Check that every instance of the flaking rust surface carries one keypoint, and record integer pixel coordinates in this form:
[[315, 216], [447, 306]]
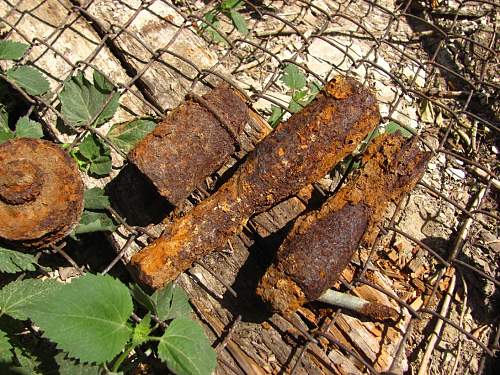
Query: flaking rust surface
[[321, 243], [41, 193], [298, 152], [191, 143]]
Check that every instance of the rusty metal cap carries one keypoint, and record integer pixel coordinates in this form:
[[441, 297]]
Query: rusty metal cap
[[41, 193]]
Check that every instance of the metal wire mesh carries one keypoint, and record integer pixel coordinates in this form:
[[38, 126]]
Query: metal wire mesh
[[434, 69]]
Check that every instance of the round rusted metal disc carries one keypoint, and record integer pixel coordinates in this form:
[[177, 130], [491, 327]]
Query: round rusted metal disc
[[41, 193]]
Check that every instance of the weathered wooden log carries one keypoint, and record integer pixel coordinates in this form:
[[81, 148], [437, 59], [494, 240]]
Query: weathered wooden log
[[298, 152], [321, 243]]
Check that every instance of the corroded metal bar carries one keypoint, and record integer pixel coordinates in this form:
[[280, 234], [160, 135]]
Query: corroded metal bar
[[300, 151], [191, 143], [321, 243]]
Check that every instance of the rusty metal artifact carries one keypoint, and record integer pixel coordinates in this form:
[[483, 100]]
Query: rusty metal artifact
[[191, 143], [298, 152], [321, 243], [41, 193]]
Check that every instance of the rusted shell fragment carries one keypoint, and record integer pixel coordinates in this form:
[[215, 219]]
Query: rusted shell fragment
[[193, 141], [321, 243], [41, 193], [298, 152]]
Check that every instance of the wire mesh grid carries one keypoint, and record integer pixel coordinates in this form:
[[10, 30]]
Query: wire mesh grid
[[433, 66]]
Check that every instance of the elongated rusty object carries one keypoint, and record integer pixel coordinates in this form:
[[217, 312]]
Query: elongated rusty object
[[191, 143], [321, 243], [298, 152]]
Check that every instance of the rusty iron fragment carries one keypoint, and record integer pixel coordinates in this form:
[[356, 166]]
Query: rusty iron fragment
[[41, 193], [321, 243], [299, 151], [191, 143]]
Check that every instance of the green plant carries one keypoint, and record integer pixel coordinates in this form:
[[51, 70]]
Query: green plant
[[301, 92], [26, 77], [229, 8], [93, 320], [90, 319]]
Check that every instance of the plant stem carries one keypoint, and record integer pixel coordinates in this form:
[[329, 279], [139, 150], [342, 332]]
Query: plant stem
[[121, 358], [372, 309]]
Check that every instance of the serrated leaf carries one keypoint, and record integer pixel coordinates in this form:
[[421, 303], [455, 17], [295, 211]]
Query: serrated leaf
[[27, 363], [14, 261], [171, 302], [17, 296], [127, 134], [28, 128], [69, 366], [186, 350], [96, 199], [86, 318], [5, 347], [276, 116], [293, 77], [393, 127], [94, 222], [142, 297], [11, 50], [30, 79], [81, 101], [239, 21], [142, 331]]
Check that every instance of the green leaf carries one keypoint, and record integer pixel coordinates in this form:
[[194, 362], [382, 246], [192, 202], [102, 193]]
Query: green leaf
[[294, 106], [68, 366], [393, 127], [5, 135], [90, 147], [186, 350], [239, 21], [101, 165], [30, 79], [28, 128], [94, 222], [97, 153], [11, 50], [142, 297], [230, 4], [14, 261], [5, 348], [276, 116], [293, 77], [142, 331], [4, 118], [171, 302], [81, 101], [102, 83], [27, 363], [127, 134], [96, 199], [87, 318], [17, 296], [211, 27]]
